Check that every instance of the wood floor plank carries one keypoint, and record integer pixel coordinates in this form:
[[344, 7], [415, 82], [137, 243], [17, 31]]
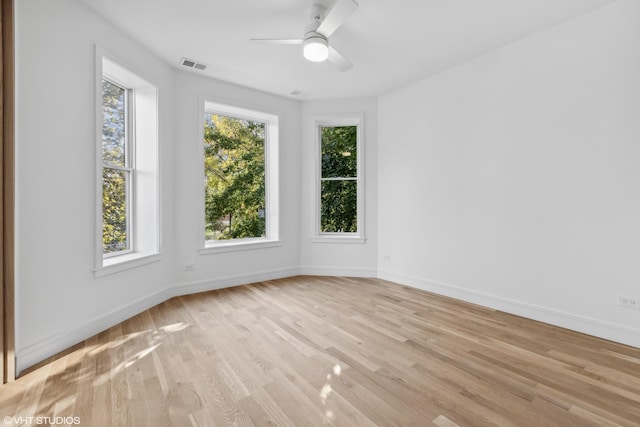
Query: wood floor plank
[[315, 351]]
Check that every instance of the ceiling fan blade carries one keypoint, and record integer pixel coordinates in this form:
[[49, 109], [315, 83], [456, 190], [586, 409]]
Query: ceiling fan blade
[[279, 41], [338, 60], [339, 13]]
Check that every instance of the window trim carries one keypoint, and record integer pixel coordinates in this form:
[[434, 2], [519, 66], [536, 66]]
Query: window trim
[[355, 119], [271, 172], [145, 236]]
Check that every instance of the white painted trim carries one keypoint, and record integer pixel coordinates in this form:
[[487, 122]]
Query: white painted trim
[[338, 239], [353, 119], [587, 325], [337, 271], [188, 288], [145, 200], [239, 245], [271, 172], [125, 262]]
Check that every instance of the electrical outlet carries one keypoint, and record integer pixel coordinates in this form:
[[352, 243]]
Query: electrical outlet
[[189, 267], [628, 302]]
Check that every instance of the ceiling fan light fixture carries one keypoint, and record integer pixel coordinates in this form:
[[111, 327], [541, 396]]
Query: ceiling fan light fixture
[[316, 49]]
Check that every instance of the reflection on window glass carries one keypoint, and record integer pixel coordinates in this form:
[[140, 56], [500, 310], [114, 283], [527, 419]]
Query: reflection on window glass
[[234, 164]]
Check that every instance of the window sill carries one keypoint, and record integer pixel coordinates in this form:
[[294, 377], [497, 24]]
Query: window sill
[[120, 263], [243, 245], [339, 239]]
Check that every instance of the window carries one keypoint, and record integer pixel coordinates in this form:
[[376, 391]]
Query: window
[[127, 207], [117, 171], [240, 165], [339, 198]]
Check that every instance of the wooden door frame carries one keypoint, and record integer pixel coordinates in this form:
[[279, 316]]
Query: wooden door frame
[[7, 190]]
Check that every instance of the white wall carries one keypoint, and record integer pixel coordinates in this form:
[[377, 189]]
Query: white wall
[[224, 269], [349, 259], [58, 300], [513, 180]]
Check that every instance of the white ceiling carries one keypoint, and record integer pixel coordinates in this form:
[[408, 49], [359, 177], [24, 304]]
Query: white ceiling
[[390, 43]]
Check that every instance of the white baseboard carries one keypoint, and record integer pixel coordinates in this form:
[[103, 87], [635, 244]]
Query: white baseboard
[[235, 280], [40, 350], [337, 271], [610, 331]]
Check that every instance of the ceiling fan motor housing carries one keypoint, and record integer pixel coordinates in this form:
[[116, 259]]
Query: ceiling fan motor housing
[[316, 47]]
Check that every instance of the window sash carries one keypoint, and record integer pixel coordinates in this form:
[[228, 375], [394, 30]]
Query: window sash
[[128, 169], [128, 174], [321, 180], [346, 178]]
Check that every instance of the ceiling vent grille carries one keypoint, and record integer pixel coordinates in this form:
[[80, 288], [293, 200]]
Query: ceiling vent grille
[[190, 63]]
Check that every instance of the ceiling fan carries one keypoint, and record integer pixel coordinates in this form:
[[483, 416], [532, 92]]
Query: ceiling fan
[[316, 35]]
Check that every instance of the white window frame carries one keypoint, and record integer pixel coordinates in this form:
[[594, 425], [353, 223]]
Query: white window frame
[[271, 171], [335, 121], [143, 219]]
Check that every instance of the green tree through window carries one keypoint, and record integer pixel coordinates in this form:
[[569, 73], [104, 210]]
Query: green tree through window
[[339, 179], [116, 173], [234, 164]]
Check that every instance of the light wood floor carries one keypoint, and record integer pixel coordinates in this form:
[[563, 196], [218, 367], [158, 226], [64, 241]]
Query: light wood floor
[[309, 351]]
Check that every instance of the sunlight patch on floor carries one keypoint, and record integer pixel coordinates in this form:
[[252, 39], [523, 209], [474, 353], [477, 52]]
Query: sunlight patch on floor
[[175, 327], [442, 421], [326, 391]]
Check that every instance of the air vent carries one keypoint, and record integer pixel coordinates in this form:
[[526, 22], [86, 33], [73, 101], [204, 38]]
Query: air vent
[[190, 63]]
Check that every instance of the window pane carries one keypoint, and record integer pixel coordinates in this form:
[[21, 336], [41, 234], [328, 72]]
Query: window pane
[[235, 178], [113, 124], [339, 152], [114, 210], [339, 206]]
